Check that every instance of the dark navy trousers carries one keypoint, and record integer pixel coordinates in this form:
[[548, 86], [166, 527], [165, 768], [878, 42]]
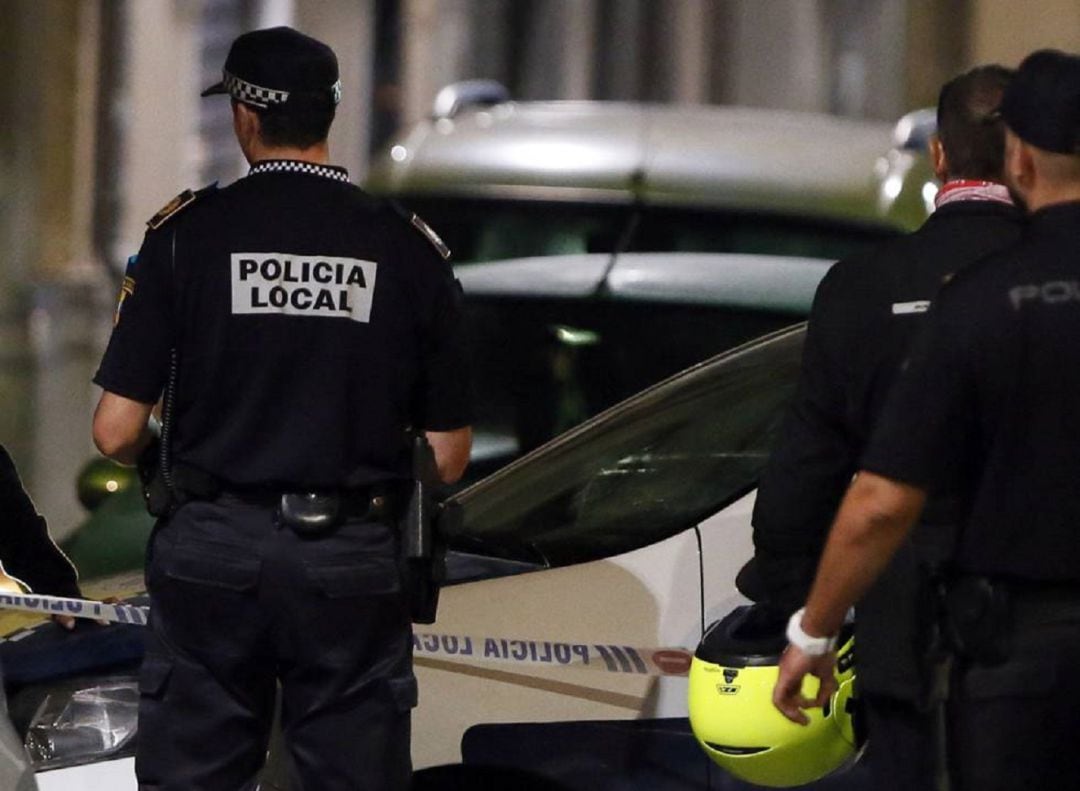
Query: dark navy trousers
[[241, 605], [1014, 725], [901, 753]]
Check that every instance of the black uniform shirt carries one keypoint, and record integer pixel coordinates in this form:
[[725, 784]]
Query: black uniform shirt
[[313, 324], [865, 313], [992, 395]]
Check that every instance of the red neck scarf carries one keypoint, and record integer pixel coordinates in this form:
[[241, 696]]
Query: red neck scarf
[[966, 190]]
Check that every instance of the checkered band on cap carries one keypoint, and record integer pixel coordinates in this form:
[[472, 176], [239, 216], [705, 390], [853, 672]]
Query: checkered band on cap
[[249, 93], [292, 166]]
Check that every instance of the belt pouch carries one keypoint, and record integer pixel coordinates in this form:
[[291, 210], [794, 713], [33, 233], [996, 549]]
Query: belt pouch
[[310, 513]]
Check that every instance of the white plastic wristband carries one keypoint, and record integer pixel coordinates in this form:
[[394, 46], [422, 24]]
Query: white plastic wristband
[[811, 646]]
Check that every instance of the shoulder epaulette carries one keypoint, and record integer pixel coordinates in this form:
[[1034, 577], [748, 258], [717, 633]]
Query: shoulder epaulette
[[425, 230], [178, 204], [431, 236]]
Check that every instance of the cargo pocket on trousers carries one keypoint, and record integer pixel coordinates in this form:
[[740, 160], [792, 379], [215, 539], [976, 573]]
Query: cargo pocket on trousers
[[155, 722], [212, 570], [365, 577], [206, 602], [154, 676], [403, 692], [353, 606]]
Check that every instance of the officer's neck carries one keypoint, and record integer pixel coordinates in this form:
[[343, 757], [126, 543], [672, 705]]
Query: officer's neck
[[1052, 194], [318, 154]]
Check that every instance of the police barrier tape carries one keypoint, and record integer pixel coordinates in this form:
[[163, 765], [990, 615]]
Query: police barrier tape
[[607, 657], [590, 656], [76, 608]]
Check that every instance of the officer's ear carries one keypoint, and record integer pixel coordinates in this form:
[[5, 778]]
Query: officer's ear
[[938, 158], [1019, 163], [246, 125]]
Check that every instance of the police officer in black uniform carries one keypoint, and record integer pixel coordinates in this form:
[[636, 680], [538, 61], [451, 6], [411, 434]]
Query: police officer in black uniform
[[294, 328], [864, 315], [989, 399]]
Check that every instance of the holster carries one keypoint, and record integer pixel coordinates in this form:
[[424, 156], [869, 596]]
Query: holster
[[427, 575], [159, 498], [425, 524], [978, 620]]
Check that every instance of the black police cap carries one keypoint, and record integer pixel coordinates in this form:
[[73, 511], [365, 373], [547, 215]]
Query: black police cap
[[265, 67], [1042, 102]]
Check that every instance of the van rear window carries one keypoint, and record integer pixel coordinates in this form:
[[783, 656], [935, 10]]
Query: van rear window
[[479, 230]]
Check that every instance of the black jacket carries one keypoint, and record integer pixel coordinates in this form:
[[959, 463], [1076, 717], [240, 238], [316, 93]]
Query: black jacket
[[865, 314]]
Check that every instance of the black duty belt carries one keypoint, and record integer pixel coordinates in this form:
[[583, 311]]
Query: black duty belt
[[350, 502], [1035, 603], [307, 511], [982, 613], [315, 512]]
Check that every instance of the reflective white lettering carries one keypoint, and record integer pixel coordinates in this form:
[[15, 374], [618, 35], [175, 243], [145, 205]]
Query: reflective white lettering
[[1021, 293], [356, 278], [270, 269], [301, 299], [1052, 292], [303, 285], [279, 297], [322, 272]]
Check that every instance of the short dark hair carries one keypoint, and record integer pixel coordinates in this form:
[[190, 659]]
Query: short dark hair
[[301, 122], [968, 125]]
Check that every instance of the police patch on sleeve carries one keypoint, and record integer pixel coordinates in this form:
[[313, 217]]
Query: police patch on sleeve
[[127, 287], [431, 236], [293, 284]]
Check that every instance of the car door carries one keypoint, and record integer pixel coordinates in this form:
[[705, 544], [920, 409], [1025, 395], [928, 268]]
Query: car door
[[597, 540]]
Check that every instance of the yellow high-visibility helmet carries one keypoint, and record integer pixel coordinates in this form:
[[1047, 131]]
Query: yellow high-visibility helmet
[[732, 676]]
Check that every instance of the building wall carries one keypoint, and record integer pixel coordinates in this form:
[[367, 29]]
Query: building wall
[[349, 28], [1006, 30], [53, 303]]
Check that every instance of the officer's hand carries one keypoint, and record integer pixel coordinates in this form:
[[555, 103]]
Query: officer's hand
[[794, 667], [68, 621]]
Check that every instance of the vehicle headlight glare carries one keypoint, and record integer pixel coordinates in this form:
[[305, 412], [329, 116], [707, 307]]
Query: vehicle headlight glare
[[82, 724]]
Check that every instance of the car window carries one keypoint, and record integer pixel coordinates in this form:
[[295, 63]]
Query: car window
[[479, 230], [686, 230], [542, 366], [490, 230], [647, 469]]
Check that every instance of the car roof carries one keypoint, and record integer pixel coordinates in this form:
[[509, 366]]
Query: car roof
[[710, 156], [761, 282]]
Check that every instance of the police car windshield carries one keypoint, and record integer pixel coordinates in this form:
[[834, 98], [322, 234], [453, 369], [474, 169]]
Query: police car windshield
[[645, 470], [543, 365], [491, 229]]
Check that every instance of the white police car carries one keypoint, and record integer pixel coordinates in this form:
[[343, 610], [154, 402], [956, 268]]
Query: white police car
[[621, 536]]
